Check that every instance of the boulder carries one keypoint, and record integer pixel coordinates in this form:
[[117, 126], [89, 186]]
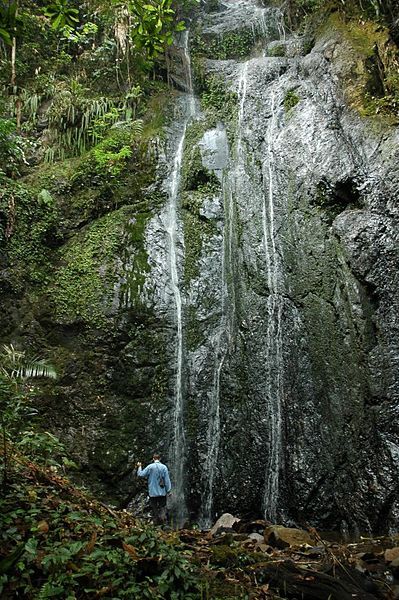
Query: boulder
[[285, 537], [224, 523], [257, 526], [391, 554], [256, 537]]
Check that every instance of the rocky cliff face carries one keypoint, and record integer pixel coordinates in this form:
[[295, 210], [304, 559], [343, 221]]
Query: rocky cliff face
[[248, 318], [288, 272]]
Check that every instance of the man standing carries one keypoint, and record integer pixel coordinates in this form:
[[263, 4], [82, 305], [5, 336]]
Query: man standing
[[158, 487]]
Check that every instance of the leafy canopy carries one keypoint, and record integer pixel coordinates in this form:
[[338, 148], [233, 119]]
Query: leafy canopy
[[61, 14], [10, 22]]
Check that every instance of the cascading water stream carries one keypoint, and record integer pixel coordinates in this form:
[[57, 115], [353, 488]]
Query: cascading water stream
[[275, 302], [225, 334], [243, 185], [274, 338], [171, 227]]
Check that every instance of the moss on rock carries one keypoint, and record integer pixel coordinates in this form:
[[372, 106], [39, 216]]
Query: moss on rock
[[233, 44], [82, 286], [368, 64]]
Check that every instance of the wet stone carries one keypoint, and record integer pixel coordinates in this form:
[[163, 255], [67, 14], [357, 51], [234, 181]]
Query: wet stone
[[284, 537], [223, 524], [391, 555]]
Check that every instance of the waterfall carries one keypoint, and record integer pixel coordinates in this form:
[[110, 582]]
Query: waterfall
[[274, 337], [224, 338], [275, 302], [171, 227], [247, 274]]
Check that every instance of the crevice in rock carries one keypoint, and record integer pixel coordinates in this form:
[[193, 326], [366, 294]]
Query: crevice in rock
[[375, 69], [336, 197]]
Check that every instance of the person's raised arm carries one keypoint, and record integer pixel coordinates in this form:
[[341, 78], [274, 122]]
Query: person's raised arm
[[142, 472]]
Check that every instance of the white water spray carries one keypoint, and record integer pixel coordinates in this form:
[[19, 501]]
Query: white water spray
[[171, 227], [225, 335], [274, 337]]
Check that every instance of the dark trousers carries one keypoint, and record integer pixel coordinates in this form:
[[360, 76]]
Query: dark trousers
[[158, 509]]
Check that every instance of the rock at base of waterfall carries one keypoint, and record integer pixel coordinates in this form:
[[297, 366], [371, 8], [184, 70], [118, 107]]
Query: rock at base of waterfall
[[391, 555], [224, 523], [257, 526], [285, 537], [256, 537]]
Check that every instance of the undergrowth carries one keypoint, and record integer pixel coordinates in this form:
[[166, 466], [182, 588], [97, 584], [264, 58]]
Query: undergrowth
[[58, 542]]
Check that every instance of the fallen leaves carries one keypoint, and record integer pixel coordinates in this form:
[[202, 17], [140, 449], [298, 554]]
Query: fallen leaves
[[131, 550]]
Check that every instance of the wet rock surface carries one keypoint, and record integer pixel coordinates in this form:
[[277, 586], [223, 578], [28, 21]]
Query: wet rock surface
[[305, 381], [286, 537]]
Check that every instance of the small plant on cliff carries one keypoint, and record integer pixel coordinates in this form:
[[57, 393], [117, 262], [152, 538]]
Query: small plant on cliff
[[218, 100], [291, 99]]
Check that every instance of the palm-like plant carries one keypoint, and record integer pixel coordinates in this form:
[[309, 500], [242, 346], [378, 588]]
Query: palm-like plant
[[16, 366], [15, 369]]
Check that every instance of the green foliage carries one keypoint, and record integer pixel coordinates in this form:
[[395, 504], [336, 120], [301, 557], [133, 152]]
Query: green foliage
[[382, 97], [61, 14], [276, 50], [110, 159], [12, 147], [386, 105], [15, 366], [83, 37], [72, 118], [58, 542], [111, 155], [10, 22], [154, 25], [16, 396], [44, 448], [291, 99], [306, 7], [218, 100], [101, 124], [76, 122], [231, 45], [144, 25], [31, 226]]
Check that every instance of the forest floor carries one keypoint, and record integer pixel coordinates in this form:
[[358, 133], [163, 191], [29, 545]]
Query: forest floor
[[57, 541]]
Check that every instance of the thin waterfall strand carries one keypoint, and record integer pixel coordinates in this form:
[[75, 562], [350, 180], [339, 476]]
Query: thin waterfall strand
[[179, 444], [274, 338], [225, 334]]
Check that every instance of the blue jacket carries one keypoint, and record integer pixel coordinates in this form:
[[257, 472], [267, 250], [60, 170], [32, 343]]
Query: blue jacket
[[154, 472]]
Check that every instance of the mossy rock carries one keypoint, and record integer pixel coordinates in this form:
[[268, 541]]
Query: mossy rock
[[367, 62], [233, 556], [231, 45], [82, 286]]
